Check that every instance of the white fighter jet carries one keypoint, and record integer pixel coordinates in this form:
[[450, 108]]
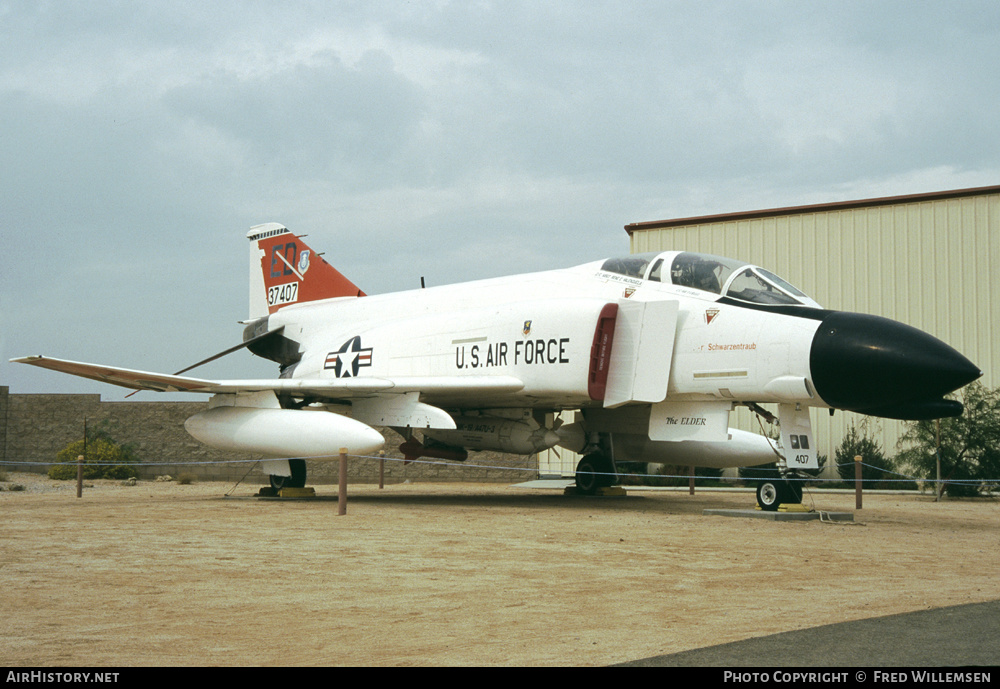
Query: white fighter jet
[[653, 351]]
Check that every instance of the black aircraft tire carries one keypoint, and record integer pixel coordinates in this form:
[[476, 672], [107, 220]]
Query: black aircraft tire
[[587, 479], [296, 480], [593, 472], [770, 494], [609, 477], [793, 492]]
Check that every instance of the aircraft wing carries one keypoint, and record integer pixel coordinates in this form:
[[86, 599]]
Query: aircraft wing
[[329, 388]]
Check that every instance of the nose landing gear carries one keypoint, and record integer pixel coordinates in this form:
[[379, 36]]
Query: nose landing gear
[[773, 493]]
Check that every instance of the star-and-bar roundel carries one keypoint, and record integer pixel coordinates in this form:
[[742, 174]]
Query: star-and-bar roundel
[[348, 360]]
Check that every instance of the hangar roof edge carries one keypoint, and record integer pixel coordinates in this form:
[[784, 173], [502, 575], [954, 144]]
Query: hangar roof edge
[[813, 208]]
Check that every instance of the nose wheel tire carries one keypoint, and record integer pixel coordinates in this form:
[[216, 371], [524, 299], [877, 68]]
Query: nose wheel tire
[[769, 495], [773, 493]]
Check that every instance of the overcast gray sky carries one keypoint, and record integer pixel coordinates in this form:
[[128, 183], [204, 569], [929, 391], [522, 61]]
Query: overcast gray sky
[[139, 141]]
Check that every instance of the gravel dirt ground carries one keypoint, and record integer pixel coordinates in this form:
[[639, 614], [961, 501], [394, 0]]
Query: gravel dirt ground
[[162, 574]]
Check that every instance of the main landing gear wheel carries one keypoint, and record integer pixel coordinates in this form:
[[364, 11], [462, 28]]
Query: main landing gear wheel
[[773, 493], [593, 472], [296, 480], [769, 495]]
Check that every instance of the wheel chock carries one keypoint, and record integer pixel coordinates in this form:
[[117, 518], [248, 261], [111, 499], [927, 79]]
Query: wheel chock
[[608, 492], [306, 492]]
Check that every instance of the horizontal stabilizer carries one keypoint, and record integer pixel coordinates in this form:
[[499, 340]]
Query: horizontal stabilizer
[[245, 344]]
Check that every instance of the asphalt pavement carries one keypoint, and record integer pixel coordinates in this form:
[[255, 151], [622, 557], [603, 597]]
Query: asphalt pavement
[[963, 635]]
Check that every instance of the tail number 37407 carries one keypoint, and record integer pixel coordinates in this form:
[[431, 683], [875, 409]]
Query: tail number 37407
[[283, 294]]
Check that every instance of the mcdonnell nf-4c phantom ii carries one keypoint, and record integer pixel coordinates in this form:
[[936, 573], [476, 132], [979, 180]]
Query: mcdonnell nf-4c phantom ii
[[652, 350]]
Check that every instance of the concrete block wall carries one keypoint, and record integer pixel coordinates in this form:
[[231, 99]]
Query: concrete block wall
[[34, 428]]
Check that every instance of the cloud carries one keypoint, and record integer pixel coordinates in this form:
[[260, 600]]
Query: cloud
[[350, 125], [450, 140]]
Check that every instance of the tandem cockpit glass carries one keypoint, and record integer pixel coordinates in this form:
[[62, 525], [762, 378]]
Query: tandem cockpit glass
[[723, 276]]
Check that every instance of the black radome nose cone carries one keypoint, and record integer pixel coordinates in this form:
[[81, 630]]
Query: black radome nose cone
[[878, 366]]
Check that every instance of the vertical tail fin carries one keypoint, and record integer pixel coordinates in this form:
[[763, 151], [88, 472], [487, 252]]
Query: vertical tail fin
[[284, 270]]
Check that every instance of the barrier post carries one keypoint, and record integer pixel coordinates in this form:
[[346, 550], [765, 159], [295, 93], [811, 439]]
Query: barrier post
[[691, 480], [381, 468], [938, 486], [857, 482], [79, 476], [342, 484]]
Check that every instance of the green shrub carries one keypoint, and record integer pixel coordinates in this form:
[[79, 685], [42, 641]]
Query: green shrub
[[877, 470], [103, 459], [970, 445]]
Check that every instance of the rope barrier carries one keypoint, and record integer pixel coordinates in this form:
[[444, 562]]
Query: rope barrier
[[745, 477]]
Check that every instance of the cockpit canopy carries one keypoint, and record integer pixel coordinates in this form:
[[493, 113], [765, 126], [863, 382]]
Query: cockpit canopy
[[723, 276]]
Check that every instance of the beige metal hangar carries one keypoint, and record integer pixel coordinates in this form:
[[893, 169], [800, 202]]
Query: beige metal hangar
[[929, 260]]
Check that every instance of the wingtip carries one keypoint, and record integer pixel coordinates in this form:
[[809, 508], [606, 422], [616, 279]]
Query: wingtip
[[26, 359]]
